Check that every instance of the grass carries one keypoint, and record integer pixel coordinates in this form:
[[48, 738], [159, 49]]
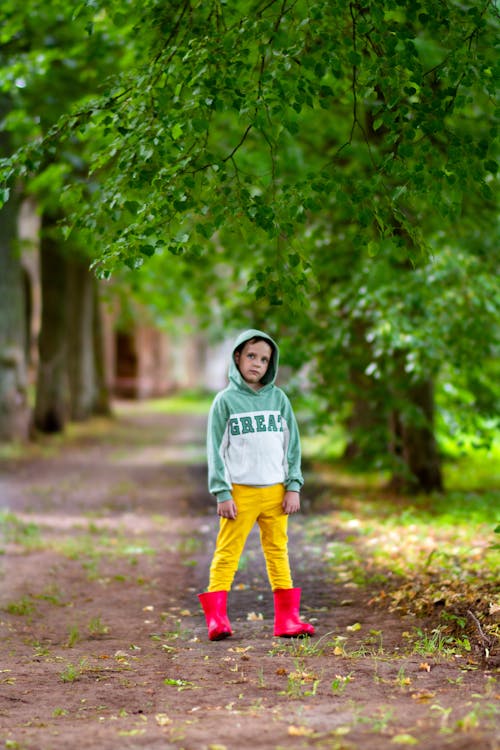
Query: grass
[[15, 530], [438, 643], [428, 556], [99, 545], [73, 636], [340, 682], [96, 628], [73, 672], [187, 402], [301, 682], [23, 607], [432, 555]]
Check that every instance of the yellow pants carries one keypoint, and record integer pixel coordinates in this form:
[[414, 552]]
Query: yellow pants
[[264, 506]]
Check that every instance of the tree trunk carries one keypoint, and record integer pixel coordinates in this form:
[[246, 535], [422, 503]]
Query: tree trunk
[[52, 400], [414, 443], [366, 425], [102, 396], [14, 409], [81, 366]]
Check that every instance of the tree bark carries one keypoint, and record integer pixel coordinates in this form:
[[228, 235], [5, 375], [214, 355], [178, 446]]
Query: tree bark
[[414, 443], [52, 396], [366, 424], [102, 396], [14, 409], [81, 365]]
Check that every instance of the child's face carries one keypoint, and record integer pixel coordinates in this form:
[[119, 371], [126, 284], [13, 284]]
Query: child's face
[[253, 362]]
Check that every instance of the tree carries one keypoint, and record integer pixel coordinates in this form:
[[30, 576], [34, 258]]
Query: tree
[[14, 411], [321, 150], [49, 63], [52, 387]]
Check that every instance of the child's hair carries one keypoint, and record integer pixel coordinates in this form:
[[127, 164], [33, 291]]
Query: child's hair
[[255, 340]]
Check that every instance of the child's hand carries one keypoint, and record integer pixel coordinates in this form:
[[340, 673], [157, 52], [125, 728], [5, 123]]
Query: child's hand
[[291, 502], [227, 509]]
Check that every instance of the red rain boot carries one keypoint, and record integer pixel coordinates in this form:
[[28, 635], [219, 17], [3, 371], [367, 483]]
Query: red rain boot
[[214, 606], [287, 622]]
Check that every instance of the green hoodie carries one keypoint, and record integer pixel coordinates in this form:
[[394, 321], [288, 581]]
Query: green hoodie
[[252, 437]]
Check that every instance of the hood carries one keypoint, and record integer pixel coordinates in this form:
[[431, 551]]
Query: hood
[[272, 370]]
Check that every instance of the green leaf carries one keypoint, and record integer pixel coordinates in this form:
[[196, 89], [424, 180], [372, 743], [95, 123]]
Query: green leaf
[[4, 196], [404, 739], [176, 131]]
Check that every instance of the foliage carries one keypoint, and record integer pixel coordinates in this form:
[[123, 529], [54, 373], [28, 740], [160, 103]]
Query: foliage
[[257, 117], [431, 558], [325, 169]]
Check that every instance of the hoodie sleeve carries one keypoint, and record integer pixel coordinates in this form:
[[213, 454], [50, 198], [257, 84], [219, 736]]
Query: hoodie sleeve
[[217, 439], [293, 473]]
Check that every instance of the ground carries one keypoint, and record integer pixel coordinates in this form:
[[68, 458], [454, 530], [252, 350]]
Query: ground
[[107, 540]]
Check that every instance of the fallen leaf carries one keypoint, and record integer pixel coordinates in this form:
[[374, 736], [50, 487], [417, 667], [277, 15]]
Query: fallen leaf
[[423, 696], [294, 731], [252, 616], [353, 628], [305, 676], [163, 720], [424, 667]]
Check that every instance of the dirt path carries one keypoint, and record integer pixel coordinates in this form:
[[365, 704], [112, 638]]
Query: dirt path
[[107, 540]]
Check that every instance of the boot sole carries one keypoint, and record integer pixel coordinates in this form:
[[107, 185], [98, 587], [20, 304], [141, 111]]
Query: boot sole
[[220, 636]]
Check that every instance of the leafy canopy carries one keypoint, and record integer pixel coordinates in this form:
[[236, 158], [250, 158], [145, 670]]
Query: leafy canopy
[[260, 117]]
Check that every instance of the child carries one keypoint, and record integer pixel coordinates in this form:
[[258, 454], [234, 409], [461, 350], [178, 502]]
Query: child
[[254, 471]]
